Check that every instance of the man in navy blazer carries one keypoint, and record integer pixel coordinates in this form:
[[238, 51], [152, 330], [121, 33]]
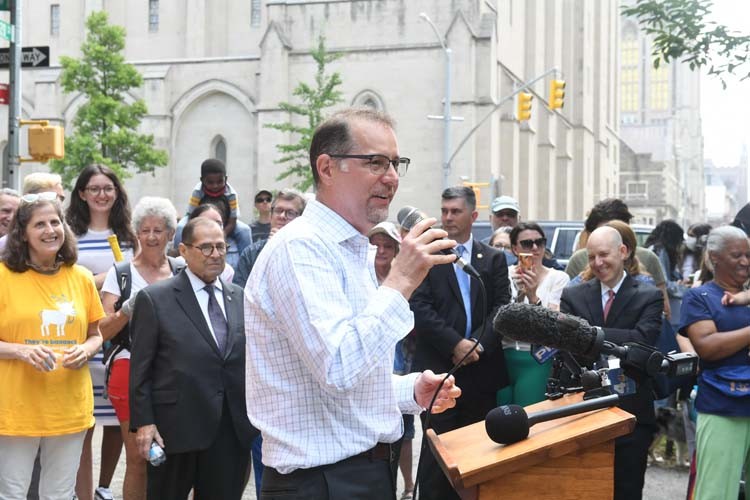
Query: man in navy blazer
[[187, 374], [448, 318], [634, 314]]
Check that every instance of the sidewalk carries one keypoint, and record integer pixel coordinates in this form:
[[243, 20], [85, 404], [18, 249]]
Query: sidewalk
[[661, 483]]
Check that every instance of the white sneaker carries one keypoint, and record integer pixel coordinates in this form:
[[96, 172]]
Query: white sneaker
[[102, 493]]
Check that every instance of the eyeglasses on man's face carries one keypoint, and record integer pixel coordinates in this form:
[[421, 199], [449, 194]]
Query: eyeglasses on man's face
[[529, 244], [379, 164], [290, 214], [263, 200], [207, 249], [34, 197], [95, 190]]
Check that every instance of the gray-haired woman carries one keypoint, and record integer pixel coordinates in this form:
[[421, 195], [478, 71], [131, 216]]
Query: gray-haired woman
[[154, 221]]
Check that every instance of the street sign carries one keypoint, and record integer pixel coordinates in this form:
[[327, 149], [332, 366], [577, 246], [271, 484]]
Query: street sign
[[6, 31], [32, 57], [4, 93], [4, 5]]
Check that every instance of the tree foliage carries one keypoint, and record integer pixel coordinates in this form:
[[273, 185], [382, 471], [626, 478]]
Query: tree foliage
[[310, 112], [105, 126], [681, 31]]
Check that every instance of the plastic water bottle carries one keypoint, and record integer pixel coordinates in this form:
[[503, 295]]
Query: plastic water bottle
[[156, 454]]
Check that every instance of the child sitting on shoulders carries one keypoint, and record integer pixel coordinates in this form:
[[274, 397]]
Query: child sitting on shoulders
[[213, 188]]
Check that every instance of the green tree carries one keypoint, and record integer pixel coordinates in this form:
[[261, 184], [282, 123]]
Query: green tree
[[682, 31], [105, 126], [314, 100]]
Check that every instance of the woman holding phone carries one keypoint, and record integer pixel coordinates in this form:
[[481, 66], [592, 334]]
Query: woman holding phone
[[531, 283]]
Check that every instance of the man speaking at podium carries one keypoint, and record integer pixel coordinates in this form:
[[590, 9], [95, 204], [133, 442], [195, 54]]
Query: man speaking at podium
[[628, 311], [320, 332]]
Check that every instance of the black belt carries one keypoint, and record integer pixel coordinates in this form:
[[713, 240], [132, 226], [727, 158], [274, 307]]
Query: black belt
[[381, 451]]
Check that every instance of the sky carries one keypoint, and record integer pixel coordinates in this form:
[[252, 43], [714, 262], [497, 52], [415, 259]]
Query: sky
[[726, 113]]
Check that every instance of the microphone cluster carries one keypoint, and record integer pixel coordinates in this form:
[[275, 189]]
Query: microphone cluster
[[544, 327]]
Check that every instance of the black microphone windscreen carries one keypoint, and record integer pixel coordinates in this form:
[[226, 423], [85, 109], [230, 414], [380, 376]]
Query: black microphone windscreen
[[409, 216], [527, 323], [542, 326], [507, 424]]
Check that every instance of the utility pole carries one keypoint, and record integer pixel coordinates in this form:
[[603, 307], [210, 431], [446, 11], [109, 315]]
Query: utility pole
[[495, 107], [446, 118], [14, 108]]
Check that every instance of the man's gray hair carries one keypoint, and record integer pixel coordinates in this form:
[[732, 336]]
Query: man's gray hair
[[464, 192], [154, 206], [290, 194], [334, 137], [719, 238]]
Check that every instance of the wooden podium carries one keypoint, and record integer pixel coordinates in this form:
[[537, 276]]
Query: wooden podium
[[568, 458]]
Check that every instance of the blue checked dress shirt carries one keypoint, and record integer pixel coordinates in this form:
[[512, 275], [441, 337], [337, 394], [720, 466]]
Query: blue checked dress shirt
[[320, 345]]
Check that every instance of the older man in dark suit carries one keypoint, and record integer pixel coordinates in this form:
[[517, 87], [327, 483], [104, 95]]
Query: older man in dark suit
[[628, 311], [448, 316], [187, 374]]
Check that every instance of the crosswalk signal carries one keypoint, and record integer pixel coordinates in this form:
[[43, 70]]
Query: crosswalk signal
[[523, 112], [556, 94], [46, 142]]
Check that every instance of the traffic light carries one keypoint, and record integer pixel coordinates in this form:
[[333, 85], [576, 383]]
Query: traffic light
[[46, 142], [556, 94], [523, 112]]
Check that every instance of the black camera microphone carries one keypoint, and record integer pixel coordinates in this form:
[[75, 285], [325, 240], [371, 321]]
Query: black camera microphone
[[509, 424], [541, 326], [408, 217]]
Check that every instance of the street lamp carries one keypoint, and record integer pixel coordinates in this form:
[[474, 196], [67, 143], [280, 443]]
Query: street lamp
[[446, 104]]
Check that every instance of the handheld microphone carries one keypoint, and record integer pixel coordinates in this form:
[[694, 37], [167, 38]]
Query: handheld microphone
[[542, 326], [408, 217], [509, 424]]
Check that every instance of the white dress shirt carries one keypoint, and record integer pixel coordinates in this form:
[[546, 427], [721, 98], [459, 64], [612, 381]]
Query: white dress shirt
[[605, 290], [320, 345], [202, 295]]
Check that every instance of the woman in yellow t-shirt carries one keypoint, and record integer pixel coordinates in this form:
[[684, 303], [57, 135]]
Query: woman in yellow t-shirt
[[49, 316]]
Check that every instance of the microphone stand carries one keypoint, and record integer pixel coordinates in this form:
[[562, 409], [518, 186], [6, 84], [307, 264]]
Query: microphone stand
[[482, 330], [556, 387]]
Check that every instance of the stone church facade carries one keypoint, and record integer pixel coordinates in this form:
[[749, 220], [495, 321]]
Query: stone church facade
[[214, 73]]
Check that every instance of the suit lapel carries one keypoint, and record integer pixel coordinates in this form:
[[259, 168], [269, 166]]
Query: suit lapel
[[233, 309], [450, 275], [477, 261], [594, 302], [622, 298], [189, 303]]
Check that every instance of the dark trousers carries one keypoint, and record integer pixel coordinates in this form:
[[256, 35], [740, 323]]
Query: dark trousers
[[433, 484], [216, 473], [357, 477], [631, 455]]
